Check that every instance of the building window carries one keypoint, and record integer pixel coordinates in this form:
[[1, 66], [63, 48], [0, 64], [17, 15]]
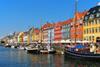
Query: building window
[[85, 24], [92, 30], [96, 30], [91, 16], [92, 38], [98, 15], [94, 11], [84, 31], [89, 38], [87, 31], [94, 22], [99, 29], [99, 9], [98, 21], [86, 18], [89, 23], [88, 13]]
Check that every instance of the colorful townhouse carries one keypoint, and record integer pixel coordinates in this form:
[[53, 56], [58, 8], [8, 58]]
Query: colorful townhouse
[[51, 34], [66, 25], [76, 31], [26, 38], [36, 35], [58, 32], [30, 31], [20, 37], [15, 38], [92, 25], [48, 33]]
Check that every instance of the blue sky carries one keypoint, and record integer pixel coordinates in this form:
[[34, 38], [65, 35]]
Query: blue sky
[[20, 15]]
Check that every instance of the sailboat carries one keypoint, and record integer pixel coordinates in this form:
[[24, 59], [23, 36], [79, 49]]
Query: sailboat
[[80, 51]]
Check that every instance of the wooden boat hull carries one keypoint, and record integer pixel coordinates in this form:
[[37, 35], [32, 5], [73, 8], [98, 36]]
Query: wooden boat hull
[[43, 51], [87, 56], [8, 46], [52, 52], [33, 51], [47, 52]]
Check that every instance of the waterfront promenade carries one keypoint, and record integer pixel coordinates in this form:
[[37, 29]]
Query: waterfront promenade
[[19, 58]]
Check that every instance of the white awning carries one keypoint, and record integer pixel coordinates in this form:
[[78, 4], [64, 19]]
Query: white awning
[[56, 42], [68, 41], [63, 41], [85, 41]]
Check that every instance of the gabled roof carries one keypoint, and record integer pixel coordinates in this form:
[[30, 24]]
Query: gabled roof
[[79, 15], [67, 21], [36, 30], [47, 25]]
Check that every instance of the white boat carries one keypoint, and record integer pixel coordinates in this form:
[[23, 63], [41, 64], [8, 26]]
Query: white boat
[[48, 50], [33, 50], [21, 47], [12, 46], [7, 45]]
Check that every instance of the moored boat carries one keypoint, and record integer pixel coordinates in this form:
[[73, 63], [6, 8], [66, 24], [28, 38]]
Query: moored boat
[[21, 47], [32, 49], [7, 45], [48, 50], [82, 53]]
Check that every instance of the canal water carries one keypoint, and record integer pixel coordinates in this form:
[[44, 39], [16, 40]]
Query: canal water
[[19, 58]]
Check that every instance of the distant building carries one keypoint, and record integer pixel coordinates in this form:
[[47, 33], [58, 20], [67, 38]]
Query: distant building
[[26, 38], [92, 25], [30, 33], [20, 37]]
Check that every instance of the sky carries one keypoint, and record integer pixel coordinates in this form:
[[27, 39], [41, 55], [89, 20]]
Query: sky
[[20, 15]]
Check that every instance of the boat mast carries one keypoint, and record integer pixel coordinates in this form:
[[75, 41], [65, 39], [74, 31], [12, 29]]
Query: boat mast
[[75, 16], [41, 33]]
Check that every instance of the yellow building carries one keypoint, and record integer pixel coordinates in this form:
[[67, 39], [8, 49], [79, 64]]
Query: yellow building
[[91, 26], [37, 35], [20, 37]]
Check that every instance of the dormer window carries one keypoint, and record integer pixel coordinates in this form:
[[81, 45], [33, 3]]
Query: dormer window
[[88, 13], [91, 16], [99, 9], [98, 15], [94, 11], [86, 18]]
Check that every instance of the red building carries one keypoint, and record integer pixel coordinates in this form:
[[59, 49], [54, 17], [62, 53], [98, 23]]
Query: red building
[[77, 32], [57, 31]]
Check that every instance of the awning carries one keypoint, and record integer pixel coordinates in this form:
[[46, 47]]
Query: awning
[[56, 42], [85, 41], [63, 41], [68, 41]]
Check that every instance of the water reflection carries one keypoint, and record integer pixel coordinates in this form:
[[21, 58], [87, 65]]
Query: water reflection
[[19, 58], [81, 63]]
